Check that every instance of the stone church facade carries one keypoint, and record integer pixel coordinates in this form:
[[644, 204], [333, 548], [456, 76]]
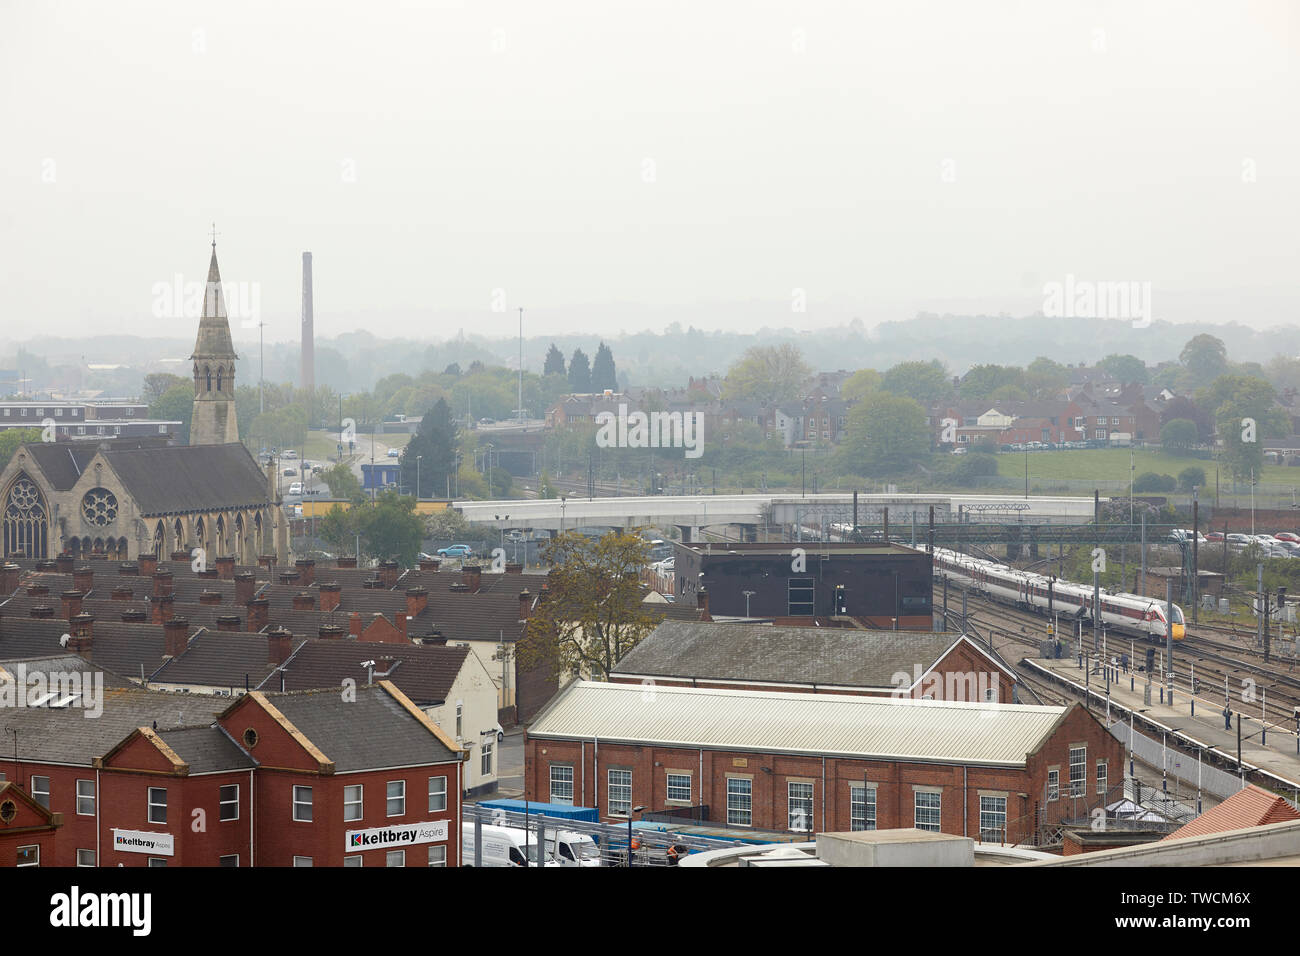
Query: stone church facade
[[124, 498]]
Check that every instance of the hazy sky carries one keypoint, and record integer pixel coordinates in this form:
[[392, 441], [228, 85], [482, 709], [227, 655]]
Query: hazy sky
[[616, 166]]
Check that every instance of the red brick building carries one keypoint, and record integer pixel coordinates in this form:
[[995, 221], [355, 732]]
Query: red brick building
[[821, 762], [317, 778]]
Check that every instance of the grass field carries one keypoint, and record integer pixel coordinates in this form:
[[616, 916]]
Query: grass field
[[1112, 464]]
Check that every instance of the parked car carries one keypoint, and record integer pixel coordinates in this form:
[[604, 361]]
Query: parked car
[[1214, 536], [1239, 539], [456, 551], [1287, 536], [290, 454]]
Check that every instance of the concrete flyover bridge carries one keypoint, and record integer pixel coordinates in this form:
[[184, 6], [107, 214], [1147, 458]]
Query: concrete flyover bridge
[[751, 512]]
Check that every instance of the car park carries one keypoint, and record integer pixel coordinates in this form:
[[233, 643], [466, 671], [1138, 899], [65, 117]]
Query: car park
[[1214, 536], [1288, 536], [1239, 539]]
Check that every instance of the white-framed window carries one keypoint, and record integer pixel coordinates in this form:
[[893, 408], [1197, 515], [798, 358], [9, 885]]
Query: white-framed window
[[40, 791], [29, 855], [928, 808], [562, 783], [799, 806], [229, 802], [679, 787], [740, 802], [85, 798], [396, 798], [862, 807], [352, 861], [460, 718], [485, 755], [231, 859], [157, 804], [1053, 785], [395, 858], [302, 861], [993, 819], [438, 855], [1102, 782], [160, 861], [58, 413], [85, 858], [620, 792], [1078, 771], [352, 798], [301, 806], [437, 794]]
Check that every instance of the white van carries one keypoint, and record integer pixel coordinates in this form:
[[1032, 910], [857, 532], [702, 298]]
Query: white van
[[295, 488], [503, 846], [574, 849]]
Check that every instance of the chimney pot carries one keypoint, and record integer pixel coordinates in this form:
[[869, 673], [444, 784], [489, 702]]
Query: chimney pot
[[41, 611], [245, 584], [175, 636], [210, 597], [279, 645], [134, 615], [71, 604], [228, 622], [304, 601], [83, 579], [226, 567], [148, 564], [258, 613]]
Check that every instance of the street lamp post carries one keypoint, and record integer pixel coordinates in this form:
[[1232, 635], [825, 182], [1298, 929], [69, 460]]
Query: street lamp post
[[748, 595], [629, 832]]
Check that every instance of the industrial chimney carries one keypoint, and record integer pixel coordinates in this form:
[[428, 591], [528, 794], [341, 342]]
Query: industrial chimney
[[308, 377]]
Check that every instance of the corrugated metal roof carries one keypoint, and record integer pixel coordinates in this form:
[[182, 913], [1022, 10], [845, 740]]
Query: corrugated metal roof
[[821, 724]]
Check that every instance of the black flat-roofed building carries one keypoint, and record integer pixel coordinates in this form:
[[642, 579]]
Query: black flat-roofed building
[[869, 585]]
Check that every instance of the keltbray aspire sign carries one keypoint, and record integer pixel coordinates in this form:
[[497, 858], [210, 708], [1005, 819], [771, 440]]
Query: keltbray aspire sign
[[143, 841], [398, 835]]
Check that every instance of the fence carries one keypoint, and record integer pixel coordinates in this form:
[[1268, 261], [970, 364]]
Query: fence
[[1189, 771]]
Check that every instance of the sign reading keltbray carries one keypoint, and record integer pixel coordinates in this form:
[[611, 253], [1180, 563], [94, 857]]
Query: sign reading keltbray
[[383, 838], [143, 841]]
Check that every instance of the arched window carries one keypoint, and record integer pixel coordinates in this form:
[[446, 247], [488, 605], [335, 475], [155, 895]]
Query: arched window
[[121, 549], [178, 542], [208, 372], [159, 538], [26, 520], [220, 374]]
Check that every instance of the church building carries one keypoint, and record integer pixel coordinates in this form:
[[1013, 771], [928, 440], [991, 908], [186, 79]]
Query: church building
[[121, 499]]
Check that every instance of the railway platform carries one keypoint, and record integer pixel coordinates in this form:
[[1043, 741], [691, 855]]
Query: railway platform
[[1268, 748]]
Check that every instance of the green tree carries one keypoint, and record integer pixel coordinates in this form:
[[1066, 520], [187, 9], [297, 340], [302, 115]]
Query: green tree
[[156, 385], [430, 455], [1191, 477], [11, 438], [338, 527], [1045, 378], [391, 528], [1205, 357], [860, 384], [983, 380], [886, 435], [343, 482], [767, 373], [924, 382], [1179, 435], [1125, 368], [447, 525], [1183, 407], [176, 404], [593, 612], [579, 372], [1149, 481], [554, 362], [603, 373]]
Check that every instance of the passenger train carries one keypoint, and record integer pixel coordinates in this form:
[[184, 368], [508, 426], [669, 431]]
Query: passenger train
[[1130, 613]]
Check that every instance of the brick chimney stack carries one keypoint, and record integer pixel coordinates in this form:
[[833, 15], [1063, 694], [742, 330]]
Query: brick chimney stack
[[306, 571], [472, 577], [259, 613], [329, 595], [71, 604], [245, 585], [417, 599], [83, 580], [64, 563], [175, 634], [210, 597], [9, 575], [228, 622], [354, 624], [163, 608], [81, 639], [279, 644], [40, 611], [304, 601], [389, 571], [122, 593], [37, 590], [525, 604], [400, 620], [148, 565], [266, 560], [162, 583], [332, 632], [226, 567], [128, 569]]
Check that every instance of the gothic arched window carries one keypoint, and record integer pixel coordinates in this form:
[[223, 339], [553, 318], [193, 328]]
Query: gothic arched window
[[26, 520], [220, 373], [208, 372]]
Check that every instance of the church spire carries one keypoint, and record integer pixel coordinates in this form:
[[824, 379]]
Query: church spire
[[213, 421]]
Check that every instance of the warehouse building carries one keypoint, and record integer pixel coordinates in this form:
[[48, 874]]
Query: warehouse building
[[740, 655], [871, 585], [801, 762]]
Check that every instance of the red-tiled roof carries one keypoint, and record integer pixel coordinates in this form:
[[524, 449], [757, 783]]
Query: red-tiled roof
[[1252, 807]]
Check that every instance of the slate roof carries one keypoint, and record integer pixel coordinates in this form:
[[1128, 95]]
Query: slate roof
[[221, 659], [834, 656], [67, 735], [66, 663], [425, 672], [62, 462], [206, 749], [392, 736], [185, 478], [119, 646]]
